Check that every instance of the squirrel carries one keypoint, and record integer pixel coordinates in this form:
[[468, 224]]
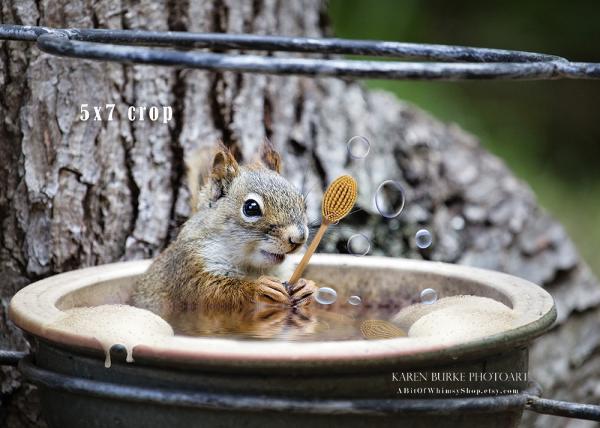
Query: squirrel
[[248, 219]]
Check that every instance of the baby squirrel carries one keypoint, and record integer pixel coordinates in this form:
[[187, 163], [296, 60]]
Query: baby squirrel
[[226, 255]]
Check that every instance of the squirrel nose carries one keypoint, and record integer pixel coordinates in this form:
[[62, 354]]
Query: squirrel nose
[[293, 242], [297, 235]]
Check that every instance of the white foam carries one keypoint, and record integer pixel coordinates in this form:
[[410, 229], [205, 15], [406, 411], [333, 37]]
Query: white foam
[[457, 318], [114, 324]]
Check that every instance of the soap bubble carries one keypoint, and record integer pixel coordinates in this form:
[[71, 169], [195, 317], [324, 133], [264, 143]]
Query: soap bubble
[[326, 295], [355, 300], [389, 199], [358, 244], [423, 238], [457, 222], [428, 296], [358, 147]]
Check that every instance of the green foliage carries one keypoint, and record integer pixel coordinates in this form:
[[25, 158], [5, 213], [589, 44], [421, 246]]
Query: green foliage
[[547, 132]]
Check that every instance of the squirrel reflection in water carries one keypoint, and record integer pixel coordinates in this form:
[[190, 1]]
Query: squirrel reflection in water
[[280, 322], [247, 322]]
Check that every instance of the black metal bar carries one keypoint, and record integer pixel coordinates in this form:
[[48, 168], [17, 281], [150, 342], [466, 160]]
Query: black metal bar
[[56, 45], [563, 408], [481, 63], [282, 43], [21, 32], [11, 358], [236, 402], [310, 45]]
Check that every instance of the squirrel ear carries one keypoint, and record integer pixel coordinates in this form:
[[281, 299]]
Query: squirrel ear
[[224, 169], [269, 156]]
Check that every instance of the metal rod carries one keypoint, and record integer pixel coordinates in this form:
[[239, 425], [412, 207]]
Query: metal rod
[[61, 46], [21, 32], [281, 43], [11, 358], [481, 63], [563, 408]]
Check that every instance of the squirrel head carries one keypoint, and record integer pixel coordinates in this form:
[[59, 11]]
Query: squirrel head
[[254, 216]]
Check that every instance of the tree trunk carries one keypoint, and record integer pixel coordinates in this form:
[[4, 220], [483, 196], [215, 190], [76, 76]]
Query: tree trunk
[[77, 193]]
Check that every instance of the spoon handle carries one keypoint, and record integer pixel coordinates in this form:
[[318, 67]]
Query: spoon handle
[[309, 252]]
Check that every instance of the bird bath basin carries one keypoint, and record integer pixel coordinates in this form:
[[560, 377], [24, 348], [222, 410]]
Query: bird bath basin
[[180, 381]]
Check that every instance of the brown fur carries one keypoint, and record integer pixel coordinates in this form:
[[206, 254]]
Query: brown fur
[[177, 280], [270, 157]]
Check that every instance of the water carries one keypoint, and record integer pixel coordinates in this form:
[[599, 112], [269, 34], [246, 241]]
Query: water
[[338, 313], [428, 296], [358, 244], [423, 238], [389, 199], [358, 147], [355, 300], [338, 321], [326, 295]]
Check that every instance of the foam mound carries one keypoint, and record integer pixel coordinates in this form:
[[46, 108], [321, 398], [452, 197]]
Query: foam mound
[[456, 318], [114, 324]]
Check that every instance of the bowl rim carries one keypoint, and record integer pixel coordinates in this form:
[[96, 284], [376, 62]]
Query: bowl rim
[[35, 304]]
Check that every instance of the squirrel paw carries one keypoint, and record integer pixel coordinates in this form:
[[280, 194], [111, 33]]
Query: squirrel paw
[[302, 291], [271, 291]]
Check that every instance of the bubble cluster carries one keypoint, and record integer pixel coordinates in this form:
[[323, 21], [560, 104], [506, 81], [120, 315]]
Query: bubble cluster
[[389, 199], [423, 238], [428, 296], [358, 147], [326, 295], [355, 300], [358, 244]]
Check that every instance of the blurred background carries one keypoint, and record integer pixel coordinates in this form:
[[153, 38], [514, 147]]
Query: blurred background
[[547, 132]]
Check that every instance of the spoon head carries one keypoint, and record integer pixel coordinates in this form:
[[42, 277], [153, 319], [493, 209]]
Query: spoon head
[[339, 198]]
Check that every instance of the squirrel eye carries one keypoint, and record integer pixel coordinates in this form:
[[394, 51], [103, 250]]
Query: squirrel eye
[[251, 208]]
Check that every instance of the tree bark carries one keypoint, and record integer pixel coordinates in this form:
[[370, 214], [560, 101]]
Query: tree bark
[[77, 193]]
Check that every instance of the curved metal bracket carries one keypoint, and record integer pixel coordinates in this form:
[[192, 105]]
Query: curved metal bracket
[[452, 62], [528, 399]]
